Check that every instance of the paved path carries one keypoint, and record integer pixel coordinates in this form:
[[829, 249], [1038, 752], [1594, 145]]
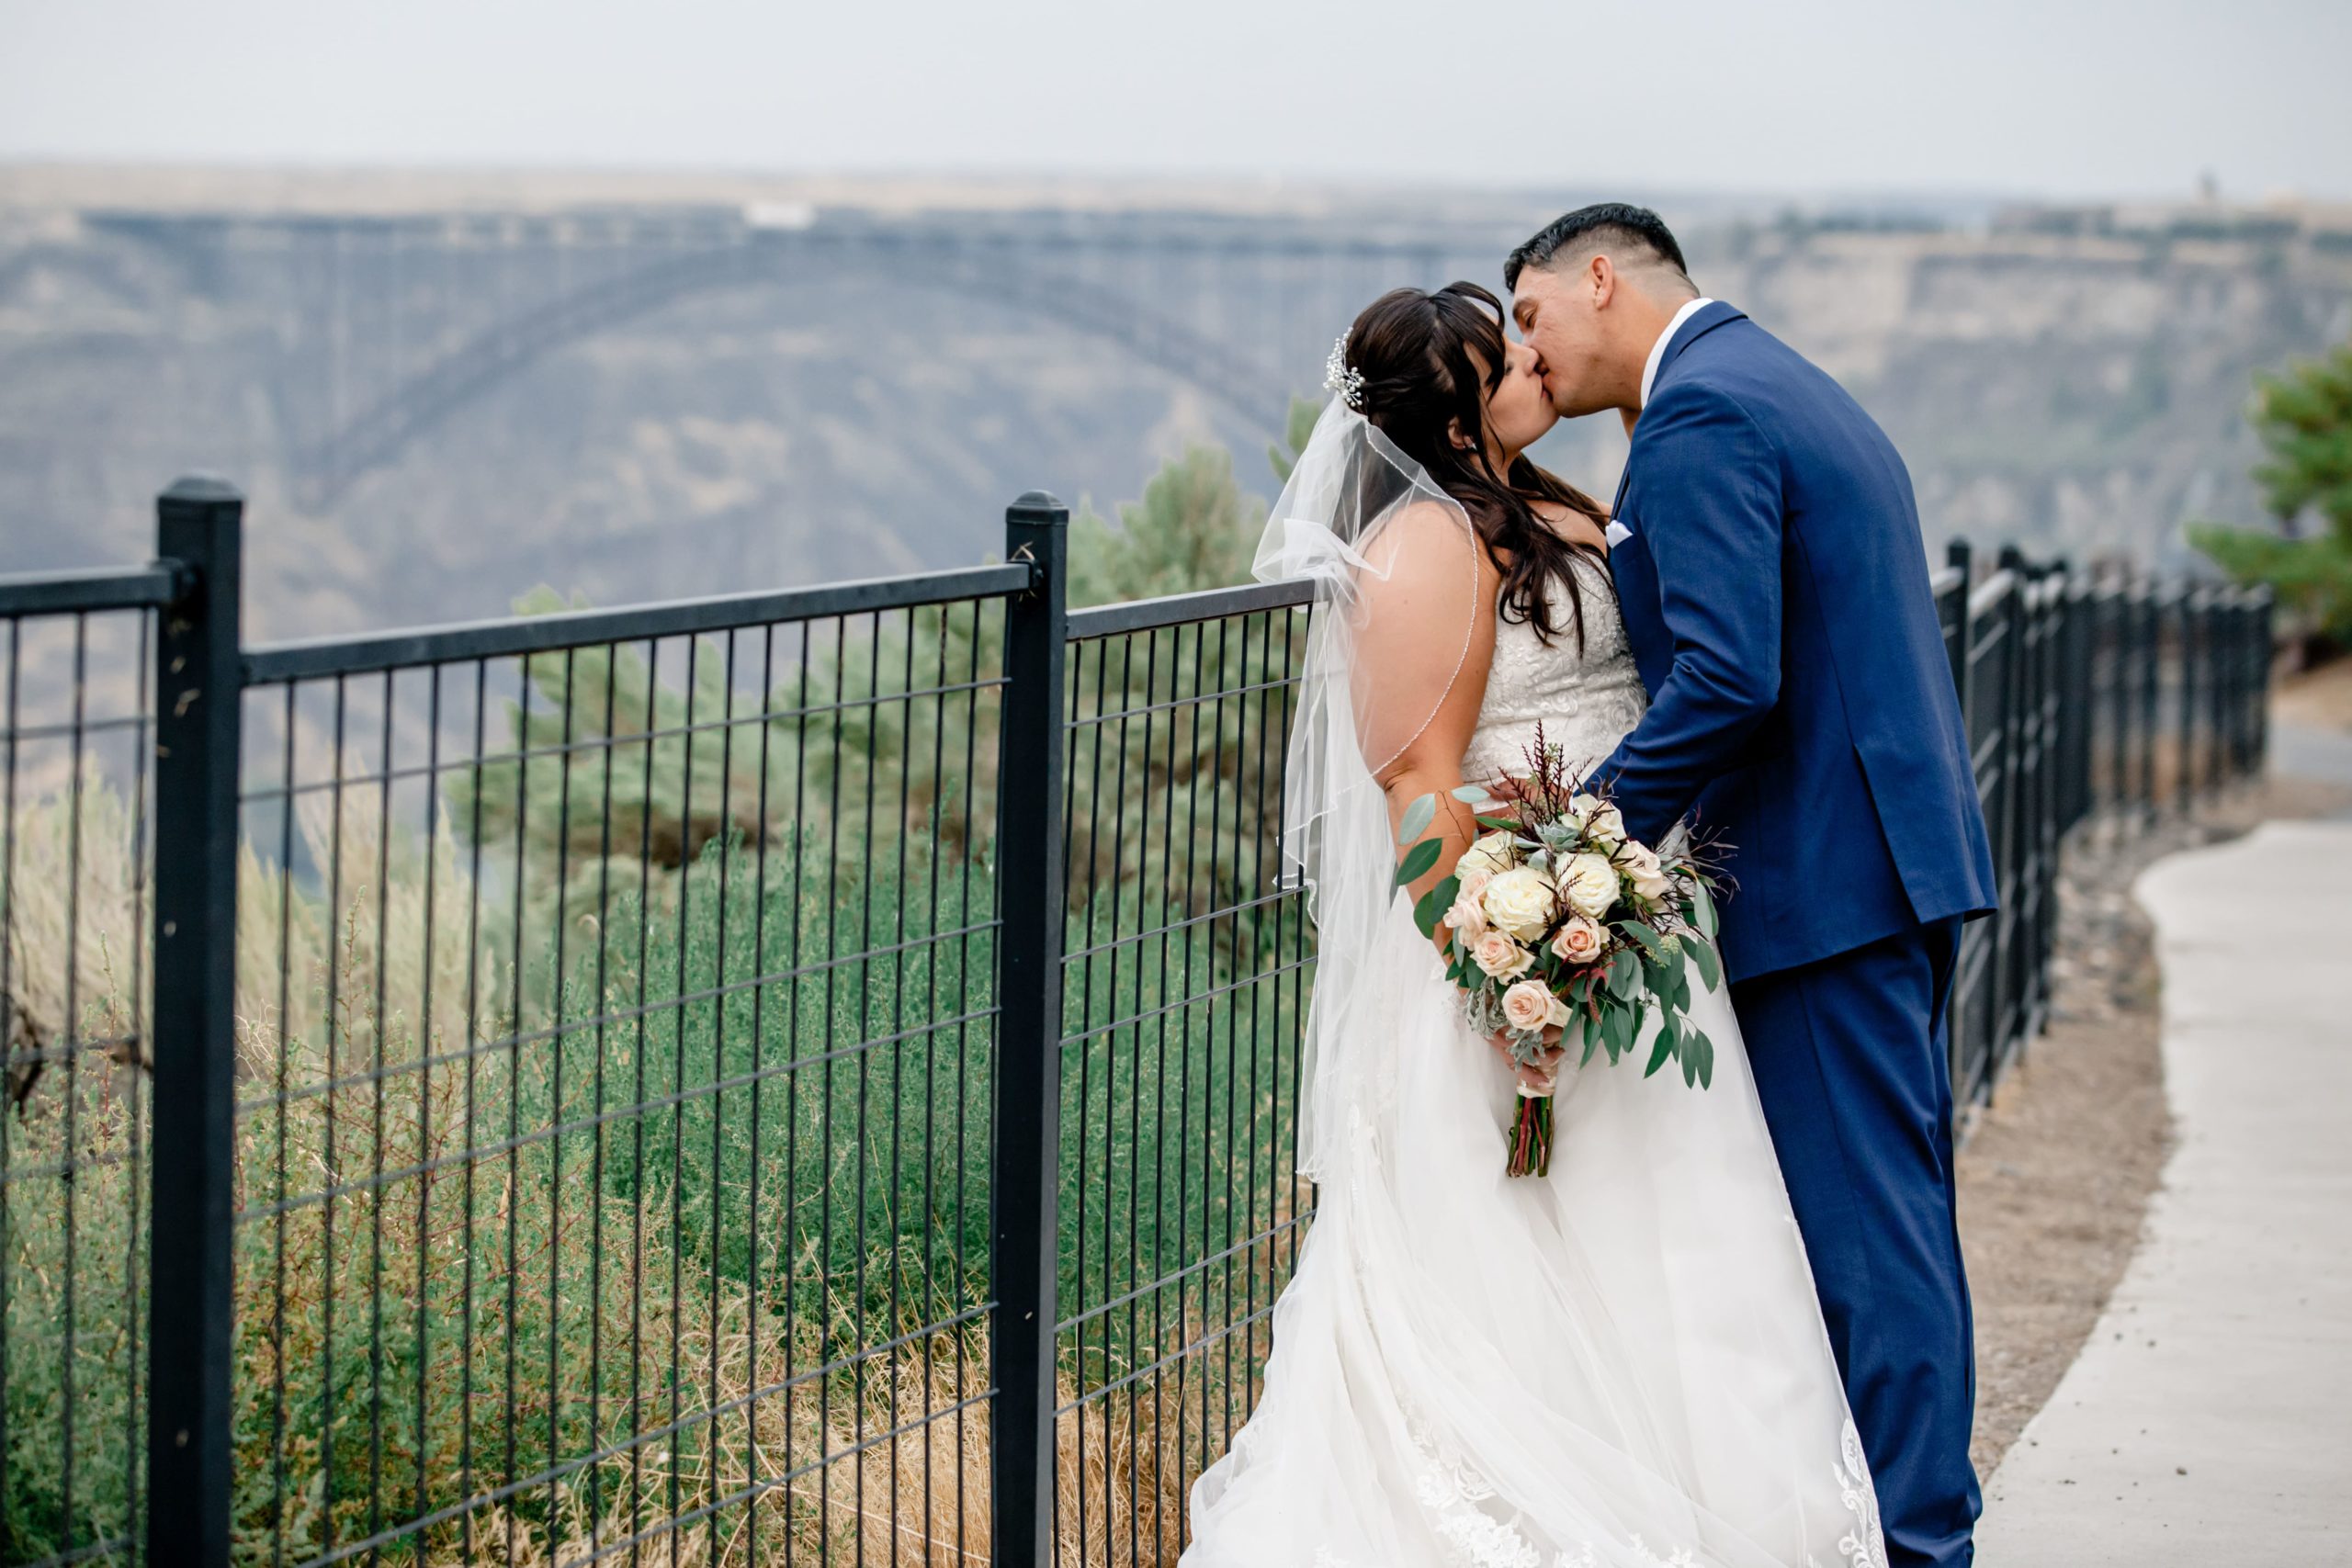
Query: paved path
[[2209, 1419], [2307, 752]]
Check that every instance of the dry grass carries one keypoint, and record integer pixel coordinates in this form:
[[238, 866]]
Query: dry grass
[[526, 1291]]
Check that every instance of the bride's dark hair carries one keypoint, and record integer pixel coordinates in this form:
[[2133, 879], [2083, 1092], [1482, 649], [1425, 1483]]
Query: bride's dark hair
[[1421, 353]]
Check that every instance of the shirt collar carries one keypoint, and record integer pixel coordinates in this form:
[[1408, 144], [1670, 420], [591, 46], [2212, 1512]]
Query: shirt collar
[[1657, 349]]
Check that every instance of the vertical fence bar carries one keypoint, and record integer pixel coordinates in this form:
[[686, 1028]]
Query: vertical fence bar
[[197, 702], [2184, 766], [1029, 991]]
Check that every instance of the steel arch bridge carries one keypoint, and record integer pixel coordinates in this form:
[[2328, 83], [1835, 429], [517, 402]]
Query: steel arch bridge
[[415, 319]]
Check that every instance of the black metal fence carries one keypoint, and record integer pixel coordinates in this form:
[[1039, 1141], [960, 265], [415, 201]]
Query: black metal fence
[[804, 1077]]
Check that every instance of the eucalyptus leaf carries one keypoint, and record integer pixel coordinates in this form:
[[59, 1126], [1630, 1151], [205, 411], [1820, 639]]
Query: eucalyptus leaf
[[1639, 932], [1625, 976], [1418, 817], [1704, 1050], [1704, 906], [1425, 910], [1621, 1027], [1710, 966], [1661, 1053], [1659, 979], [1472, 795], [1417, 861]]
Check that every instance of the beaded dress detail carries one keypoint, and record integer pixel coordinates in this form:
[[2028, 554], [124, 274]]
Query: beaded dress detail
[[1588, 700]]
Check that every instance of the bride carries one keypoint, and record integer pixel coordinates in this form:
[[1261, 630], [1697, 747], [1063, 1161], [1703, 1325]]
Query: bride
[[1622, 1363]]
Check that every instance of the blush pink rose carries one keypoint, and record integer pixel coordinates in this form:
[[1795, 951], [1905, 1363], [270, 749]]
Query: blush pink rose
[[1579, 940]]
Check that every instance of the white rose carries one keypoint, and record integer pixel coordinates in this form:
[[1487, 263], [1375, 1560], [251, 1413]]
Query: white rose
[[1579, 941], [1605, 827], [1529, 1005], [1493, 853], [1520, 901], [1640, 864], [1589, 884], [1501, 957]]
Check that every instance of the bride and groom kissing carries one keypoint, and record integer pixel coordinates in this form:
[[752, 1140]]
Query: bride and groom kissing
[[1730, 1326]]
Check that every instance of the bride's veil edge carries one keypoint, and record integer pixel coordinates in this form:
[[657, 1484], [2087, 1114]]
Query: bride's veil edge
[[1380, 541]]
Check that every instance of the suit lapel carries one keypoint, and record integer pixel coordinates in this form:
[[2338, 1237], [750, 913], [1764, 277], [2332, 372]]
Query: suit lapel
[[1630, 563], [1699, 324]]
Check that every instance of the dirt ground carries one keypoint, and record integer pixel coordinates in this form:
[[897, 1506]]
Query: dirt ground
[[2321, 697], [2054, 1176]]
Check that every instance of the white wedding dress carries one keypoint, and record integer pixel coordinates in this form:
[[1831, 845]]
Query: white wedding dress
[[1620, 1365]]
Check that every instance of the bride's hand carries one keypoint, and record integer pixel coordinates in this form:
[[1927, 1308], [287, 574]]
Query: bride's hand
[[1541, 1074]]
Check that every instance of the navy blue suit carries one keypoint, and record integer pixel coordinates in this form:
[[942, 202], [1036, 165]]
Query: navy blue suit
[[1801, 711]]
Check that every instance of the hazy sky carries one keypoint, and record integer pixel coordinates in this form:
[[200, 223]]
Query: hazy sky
[[2054, 96]]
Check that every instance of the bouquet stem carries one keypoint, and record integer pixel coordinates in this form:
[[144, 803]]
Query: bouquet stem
[[1530, 1137]]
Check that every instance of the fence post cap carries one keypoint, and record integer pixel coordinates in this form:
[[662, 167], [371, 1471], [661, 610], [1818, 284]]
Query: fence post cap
[[1037, 506], [202, 489]]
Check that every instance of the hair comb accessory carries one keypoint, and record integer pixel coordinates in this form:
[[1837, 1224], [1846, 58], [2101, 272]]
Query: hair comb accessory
[[1337, 378]]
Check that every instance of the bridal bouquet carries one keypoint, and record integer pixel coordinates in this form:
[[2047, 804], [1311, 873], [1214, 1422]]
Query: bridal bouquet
[[1561, 930]]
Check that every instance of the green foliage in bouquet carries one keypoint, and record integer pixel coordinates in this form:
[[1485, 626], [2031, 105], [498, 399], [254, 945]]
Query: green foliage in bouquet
[[1564, 932]]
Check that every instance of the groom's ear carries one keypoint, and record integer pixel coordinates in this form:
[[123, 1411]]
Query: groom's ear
[[1600, 276]]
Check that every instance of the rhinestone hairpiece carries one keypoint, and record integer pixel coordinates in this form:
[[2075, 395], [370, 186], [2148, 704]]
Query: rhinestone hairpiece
[[1337, 378]]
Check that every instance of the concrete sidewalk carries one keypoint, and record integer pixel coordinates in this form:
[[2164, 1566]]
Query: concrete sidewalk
[[2209, 1419]]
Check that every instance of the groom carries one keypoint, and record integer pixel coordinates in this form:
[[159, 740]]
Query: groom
[[1774, 583]]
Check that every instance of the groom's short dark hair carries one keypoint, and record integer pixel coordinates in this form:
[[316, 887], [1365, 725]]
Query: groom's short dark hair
[[1605, 225]]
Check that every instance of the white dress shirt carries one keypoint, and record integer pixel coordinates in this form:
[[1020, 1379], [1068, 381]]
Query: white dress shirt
[[1657, 349]]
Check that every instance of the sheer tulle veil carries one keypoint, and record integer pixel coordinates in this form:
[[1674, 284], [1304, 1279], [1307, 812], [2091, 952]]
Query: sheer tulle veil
[[1393, 558]]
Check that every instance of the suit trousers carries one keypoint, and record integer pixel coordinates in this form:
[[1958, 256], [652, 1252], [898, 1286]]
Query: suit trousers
[[1851, 1065]]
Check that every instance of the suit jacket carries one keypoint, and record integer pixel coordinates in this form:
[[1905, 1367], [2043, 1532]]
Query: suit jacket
[[1775, 593]]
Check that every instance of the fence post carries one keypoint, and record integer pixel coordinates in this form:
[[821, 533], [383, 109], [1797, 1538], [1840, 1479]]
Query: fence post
[[2186, 782], [1957, 1027], [2249, 693], [1024, 1252], [2266, 654], [198, 697], [2079, 701], [2221, 652], [2127, 702], [2151, 682], [2019, 772], [1959, 556]]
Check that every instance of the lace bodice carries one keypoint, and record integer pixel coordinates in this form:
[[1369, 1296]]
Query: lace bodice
[[1587, 702]]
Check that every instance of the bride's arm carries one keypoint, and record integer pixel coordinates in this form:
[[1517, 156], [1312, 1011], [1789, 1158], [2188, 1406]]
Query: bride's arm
[[1425, 641]]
